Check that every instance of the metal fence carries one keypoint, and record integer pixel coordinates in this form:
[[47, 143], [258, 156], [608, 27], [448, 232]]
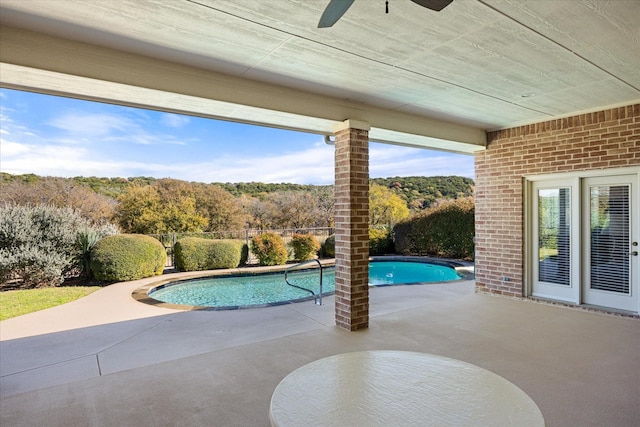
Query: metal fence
[[169, 240]]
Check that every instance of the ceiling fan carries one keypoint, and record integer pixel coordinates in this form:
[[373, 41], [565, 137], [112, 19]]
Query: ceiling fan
[[336, 8]]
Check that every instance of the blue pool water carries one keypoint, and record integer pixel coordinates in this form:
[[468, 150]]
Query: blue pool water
[[264, 289]]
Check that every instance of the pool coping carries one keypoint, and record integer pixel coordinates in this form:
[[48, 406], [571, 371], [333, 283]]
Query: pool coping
[[141, 294]]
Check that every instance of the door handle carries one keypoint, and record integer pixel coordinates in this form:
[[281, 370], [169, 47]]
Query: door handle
[[634, 253]]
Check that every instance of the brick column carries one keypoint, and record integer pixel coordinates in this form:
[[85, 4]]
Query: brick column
[[352, 225]]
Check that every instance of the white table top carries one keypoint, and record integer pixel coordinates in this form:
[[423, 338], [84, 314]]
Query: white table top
[[398, 388]]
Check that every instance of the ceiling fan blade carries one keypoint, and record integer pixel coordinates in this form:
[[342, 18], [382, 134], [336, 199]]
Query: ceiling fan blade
[[436, 5], [334, 11]]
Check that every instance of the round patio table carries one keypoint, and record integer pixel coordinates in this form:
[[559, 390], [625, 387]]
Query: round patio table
[[386, 388]]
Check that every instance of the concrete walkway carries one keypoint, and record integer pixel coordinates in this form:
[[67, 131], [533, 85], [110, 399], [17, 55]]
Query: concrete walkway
[[107, 360]]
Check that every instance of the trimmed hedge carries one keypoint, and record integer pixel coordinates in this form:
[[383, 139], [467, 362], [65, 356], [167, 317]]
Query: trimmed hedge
[[380, 242], [127, 257], [270, 249], [329, 247], [305, 246], [196, 254], [446, 230]]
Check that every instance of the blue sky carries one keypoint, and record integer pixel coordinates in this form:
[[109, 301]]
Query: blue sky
[[54, 136]]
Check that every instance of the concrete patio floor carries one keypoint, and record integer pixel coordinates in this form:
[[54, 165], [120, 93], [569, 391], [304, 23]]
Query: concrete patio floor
[[107, 360]]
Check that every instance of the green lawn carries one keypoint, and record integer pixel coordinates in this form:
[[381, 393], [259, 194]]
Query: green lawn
[[17, 303]]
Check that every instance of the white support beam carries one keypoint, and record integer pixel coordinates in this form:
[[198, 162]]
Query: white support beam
[[42, 63]]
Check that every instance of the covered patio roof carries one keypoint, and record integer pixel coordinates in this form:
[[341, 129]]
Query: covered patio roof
[[418, 77]]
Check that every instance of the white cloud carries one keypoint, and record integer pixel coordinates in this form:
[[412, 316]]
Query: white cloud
[[9, 127], [5, 120], [312, 165], [146, 138], [174, 120], [92, 125], [315, 165], [82, 128], [19, 158], [390, 160], [9, 149], [63, 161], [74, 144]]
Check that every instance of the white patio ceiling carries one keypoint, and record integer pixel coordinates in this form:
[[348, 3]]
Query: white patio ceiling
[[420, 78]]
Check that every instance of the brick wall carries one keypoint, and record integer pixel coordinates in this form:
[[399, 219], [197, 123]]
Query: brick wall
[[352, 229], [600, 140]]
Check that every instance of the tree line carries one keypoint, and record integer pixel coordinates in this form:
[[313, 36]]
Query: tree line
[[154, 206]]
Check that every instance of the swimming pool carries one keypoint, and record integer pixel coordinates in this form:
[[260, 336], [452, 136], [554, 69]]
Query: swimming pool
[[258, 290]]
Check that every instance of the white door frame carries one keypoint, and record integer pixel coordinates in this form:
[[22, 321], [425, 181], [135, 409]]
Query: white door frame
[[540, 288], [604, 298], [575, 181]]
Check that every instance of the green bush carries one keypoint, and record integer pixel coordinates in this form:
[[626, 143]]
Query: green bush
[[195, 254], [127, 257], [244, 253], [270, 249], [446, 230], [86, 239], [380, 242], [305, 246], [39, 245], [329, 247]]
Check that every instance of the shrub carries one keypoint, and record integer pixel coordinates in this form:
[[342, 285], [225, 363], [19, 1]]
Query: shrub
[[380, 242], [329, 247], [305, 246], [270, 249], [244, 253], [37, 245], [86, 239], [127, 257], [194, 254], [445, 230]]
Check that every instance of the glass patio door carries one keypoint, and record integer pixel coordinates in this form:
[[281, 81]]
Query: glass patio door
[[555, 240], [610, 254]]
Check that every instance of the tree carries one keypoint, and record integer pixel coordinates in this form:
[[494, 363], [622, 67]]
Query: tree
[[422, 192], [385, 207], [163, 207], [179, 207], [170, 205], [292, 209], [324, 201], [222, 210], [139, 210], [284, 209], [259, 212], [61, 193]]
